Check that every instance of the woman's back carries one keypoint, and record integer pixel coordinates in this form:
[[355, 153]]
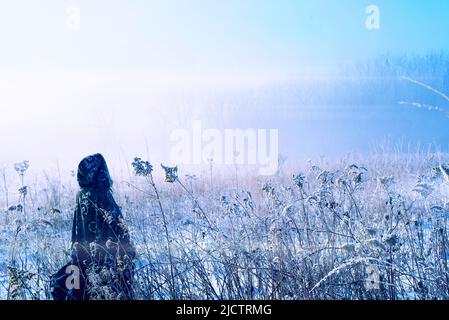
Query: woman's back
[[100, 240]]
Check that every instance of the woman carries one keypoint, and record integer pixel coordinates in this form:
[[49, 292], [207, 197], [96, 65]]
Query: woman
[[101, 246]]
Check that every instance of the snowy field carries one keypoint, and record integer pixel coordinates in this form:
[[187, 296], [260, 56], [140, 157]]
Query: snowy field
[[223, 89], [375, 229]]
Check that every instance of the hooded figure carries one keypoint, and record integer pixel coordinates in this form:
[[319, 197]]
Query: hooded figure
[[101, 246]]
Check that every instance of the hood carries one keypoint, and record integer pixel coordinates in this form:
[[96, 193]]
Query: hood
[[93, 173]]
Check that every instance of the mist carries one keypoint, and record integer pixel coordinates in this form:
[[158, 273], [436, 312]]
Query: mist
[[122, 79]]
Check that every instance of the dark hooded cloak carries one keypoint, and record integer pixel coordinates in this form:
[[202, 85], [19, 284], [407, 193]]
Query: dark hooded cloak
[[100, 238]]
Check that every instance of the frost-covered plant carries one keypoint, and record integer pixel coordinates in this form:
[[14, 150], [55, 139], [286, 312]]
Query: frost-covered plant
[[339, 231]]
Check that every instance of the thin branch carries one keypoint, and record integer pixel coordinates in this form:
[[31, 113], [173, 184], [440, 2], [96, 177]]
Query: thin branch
[[441, 94], [425, 106]]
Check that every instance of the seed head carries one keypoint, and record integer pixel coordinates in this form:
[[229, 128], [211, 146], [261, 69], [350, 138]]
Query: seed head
[[142, 168], [21, 167], [171, 173]]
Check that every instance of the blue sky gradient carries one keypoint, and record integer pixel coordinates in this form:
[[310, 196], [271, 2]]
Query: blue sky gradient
[[214, 35], [118, 82]]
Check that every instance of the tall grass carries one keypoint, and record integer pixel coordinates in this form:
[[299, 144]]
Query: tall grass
[[375, 229]]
